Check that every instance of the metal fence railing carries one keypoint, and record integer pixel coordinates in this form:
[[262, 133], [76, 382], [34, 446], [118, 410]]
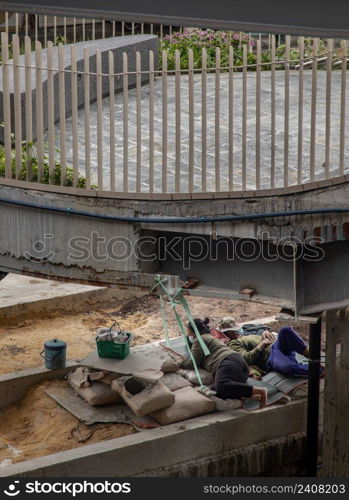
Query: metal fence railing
[[59, 29], [173, 127]]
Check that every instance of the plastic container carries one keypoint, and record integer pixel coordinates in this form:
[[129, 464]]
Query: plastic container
[[114, 350], [54, 354]]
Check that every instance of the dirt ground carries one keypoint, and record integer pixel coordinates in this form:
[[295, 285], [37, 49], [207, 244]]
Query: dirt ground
[[21, 344], [37, 426]]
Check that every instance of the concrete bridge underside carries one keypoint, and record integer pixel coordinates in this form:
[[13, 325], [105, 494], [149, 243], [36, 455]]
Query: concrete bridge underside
[[225, 256]]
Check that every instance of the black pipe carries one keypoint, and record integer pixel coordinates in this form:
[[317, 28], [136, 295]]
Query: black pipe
[[176, 220], [313, 399]]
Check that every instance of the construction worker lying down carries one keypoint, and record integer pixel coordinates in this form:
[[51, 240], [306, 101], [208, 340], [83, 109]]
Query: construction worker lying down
[[266, 352], [229, 369]]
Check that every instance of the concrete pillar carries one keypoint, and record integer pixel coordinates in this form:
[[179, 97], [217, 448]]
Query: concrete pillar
[[336, 397]]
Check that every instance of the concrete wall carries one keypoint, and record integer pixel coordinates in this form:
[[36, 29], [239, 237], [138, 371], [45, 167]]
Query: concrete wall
[[122, 264], [128, 44], [208, 445], [14, 385]]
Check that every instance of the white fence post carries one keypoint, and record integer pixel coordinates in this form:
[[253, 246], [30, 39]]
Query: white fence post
[[151, 121], [28, 105], [300, 111], [6, 104], [99, 119], [112, 119], [87, 117], [178, 121], [39, 111], [231, 119], [258, 116], [62, 128], [164, 122], [204, 120], [343, 106], [287, 110], [125, 121], [138, 121], [191, 120], [50, 111], [329, 61], [272, 113], [74, 91], [217, 120], [313, 109], [244, 117], [17, 105]]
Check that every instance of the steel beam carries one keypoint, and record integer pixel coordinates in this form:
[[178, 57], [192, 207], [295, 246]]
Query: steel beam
[[315, 18]]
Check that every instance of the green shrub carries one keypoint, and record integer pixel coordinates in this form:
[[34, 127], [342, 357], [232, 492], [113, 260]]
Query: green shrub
[[197, 39], [29, 159]]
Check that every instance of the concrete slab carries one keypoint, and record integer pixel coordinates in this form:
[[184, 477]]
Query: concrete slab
[[134, 362], [19, 290], [23, 296], [14, 385], [89, 415]]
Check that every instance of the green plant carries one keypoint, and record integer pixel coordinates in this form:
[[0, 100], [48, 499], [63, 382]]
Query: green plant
[[30, 167], [197, 39]]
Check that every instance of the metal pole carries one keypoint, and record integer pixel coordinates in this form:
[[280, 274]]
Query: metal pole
[[313, 399]]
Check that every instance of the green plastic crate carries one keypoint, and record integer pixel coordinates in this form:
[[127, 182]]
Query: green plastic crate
[[109, 349]]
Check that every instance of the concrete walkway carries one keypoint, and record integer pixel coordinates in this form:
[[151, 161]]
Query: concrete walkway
[[265, 139], [22, 296]]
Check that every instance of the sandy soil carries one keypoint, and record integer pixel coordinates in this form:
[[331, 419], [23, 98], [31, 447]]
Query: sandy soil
[[37, 426], [21, 344]]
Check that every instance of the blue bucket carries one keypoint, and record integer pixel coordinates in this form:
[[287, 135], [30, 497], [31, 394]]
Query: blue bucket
[[54, 354]]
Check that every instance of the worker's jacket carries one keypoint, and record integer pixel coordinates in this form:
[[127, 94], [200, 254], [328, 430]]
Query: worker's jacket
[[246, 346], [218, 352]]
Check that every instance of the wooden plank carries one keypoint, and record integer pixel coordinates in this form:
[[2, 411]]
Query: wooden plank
[[330, 394], [341, 468]]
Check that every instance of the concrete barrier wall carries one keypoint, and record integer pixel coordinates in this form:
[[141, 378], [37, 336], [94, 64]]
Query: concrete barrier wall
[[208, 445]]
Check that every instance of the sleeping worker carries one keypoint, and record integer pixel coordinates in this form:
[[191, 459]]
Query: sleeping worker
[[266, 352], [229, 369]]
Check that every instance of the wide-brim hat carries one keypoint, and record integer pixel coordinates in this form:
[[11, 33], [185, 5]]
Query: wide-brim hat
[[229, 324]]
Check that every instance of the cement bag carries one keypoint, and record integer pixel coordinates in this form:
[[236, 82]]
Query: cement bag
[[190, 375], [188, 404], [173, 381], [169, 366], [98, 394], [141, 396], [109, 377]]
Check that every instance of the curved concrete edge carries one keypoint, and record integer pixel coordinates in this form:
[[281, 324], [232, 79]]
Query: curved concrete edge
[[223, 195], [117, 45], [208, 439]]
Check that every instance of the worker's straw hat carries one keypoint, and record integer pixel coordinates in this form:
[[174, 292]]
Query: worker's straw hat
[[229, 324]]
